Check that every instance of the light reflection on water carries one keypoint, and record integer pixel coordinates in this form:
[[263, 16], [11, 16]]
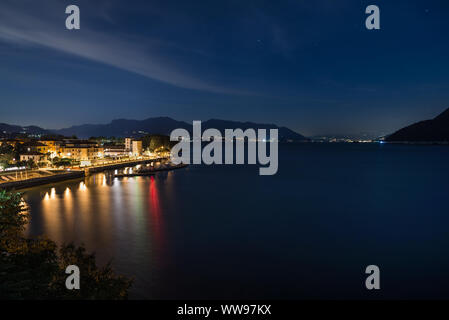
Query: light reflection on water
[[119, 218]]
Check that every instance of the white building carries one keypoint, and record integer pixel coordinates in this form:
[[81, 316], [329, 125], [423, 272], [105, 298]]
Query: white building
[[137, 148], [128, 144], [115, 151], [34, 156]]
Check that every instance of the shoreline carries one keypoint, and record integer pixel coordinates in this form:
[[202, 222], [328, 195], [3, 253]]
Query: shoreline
[[69, 175], [421, 143]]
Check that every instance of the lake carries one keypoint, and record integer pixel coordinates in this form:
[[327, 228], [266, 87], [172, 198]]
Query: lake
[[307, 232]]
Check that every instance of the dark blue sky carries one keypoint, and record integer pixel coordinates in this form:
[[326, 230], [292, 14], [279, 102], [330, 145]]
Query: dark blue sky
[[309, 65]]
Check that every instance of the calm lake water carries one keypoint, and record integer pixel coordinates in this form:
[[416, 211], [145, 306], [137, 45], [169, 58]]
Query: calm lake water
[[307, 232]]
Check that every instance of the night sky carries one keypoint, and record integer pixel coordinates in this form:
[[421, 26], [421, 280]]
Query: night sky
[[308, 65]]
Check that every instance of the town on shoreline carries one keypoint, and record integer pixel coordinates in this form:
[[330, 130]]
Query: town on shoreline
[[27, 161]]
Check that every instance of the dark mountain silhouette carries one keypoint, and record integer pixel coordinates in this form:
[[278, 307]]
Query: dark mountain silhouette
[[285, 134], [165, 125], [435, 130], [7, 129], [124, 128]]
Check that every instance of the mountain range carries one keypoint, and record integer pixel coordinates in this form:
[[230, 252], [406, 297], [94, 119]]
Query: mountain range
[[434, 130], [159, 125], [32, 130]]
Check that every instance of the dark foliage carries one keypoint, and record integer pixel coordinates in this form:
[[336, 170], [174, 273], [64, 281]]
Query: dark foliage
[[35, 268]]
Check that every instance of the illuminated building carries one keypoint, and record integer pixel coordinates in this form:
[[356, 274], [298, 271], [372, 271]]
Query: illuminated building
[[35, 156], [137, 148], [128, 144]]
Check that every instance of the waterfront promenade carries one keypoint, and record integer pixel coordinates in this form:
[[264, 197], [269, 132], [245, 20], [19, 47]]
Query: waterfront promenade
[[30, 178]]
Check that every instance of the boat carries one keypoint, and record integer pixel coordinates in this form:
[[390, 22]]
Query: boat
[[134, 174]]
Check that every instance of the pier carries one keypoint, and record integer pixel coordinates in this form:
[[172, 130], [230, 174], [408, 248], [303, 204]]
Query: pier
[[112, 165]]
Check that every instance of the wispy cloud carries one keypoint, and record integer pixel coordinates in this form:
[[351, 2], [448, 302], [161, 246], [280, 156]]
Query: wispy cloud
[[21, 24]]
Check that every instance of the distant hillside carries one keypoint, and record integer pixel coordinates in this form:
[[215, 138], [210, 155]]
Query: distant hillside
[[124, 128], [7, 129], [165, 125], [284, 133], [435, 130]]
